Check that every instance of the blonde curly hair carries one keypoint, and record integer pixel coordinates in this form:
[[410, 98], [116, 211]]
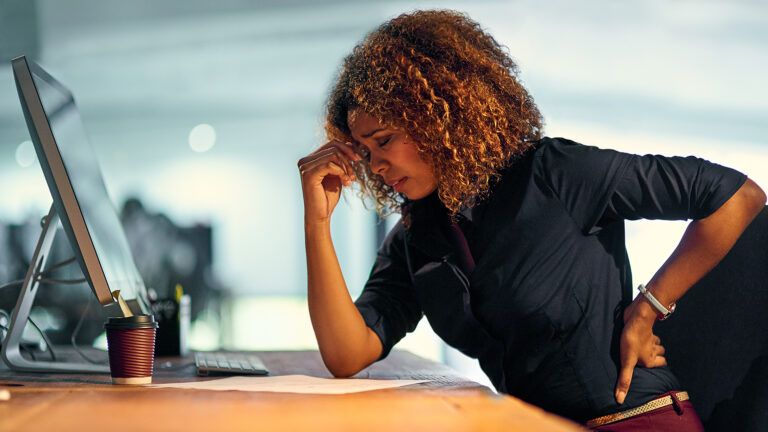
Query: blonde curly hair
[[452, 87]]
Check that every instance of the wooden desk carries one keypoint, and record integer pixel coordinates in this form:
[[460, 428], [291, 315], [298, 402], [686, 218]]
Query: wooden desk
[[48, 402]]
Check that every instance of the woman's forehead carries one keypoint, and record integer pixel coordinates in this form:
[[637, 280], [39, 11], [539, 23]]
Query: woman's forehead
[[360, 122]]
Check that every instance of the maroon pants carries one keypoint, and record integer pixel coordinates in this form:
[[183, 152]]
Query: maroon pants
[[678, 417]]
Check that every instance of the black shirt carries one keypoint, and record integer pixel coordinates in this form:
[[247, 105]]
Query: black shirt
[[542, 310]]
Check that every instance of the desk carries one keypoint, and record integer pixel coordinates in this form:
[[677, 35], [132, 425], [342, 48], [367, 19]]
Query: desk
[[52, 402]]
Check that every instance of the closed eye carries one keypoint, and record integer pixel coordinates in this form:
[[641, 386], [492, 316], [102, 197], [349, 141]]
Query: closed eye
[[385, 142]]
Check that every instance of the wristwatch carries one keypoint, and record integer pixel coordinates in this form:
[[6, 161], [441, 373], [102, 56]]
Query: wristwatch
[[662, 312]]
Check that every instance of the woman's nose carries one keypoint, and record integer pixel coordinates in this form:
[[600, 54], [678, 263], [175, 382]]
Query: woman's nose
[[378, 165]]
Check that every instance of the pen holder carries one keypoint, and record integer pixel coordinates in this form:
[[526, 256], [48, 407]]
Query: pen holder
[[174, 319]]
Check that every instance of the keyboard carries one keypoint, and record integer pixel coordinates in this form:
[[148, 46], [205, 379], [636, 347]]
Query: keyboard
[[229, 363]]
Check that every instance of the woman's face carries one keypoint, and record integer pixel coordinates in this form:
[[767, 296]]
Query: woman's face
[[392, 155]]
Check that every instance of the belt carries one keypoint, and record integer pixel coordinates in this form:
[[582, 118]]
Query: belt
[[655, 404]]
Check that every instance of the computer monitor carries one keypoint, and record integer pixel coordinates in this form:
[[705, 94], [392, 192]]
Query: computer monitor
[[74, 178], [80, 201]]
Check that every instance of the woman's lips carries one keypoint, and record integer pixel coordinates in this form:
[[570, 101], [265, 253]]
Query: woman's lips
[[398, 185]]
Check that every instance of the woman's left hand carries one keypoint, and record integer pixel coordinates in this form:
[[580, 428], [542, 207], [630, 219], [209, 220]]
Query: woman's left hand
[[639, 346]]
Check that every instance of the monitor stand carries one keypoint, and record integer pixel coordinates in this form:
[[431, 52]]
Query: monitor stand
[[11, 351]]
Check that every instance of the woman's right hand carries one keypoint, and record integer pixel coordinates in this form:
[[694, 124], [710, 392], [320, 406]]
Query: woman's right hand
[[323, 174]]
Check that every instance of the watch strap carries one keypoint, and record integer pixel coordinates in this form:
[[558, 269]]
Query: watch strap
[[661, 311]]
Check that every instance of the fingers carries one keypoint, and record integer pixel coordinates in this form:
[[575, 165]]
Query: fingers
[[334, 169], [320, 163], [345, 151], [625, 377], [316, 172], [319, 158], [639, 346], [657, 356], [652, 356], [348, 150]]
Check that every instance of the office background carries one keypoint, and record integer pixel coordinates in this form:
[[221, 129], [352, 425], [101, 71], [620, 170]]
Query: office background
[[198, 112]]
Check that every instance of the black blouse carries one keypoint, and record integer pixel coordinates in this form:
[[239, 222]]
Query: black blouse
[[542, 310]]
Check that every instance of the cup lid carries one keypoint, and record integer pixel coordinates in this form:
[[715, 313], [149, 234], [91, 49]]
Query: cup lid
[[132, 322]]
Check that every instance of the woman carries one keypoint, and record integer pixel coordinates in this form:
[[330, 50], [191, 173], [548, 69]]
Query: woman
[[511, 245]]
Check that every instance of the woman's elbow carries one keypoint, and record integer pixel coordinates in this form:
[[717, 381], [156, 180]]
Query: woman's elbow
[[740, 209], [344, 373], [341, 366], [754, 195], [346, 361], [343, 370]]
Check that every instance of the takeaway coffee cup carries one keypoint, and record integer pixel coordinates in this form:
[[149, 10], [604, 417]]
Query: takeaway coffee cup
[[131, 348]]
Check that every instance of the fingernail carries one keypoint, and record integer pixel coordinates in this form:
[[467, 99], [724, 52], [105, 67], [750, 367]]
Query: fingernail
[[620, 395]]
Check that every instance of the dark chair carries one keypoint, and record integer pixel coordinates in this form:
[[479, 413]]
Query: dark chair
[[717, 340]]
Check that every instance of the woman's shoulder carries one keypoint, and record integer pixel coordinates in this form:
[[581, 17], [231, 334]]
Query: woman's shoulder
[[547, 146], [542, 152], [555, 154], [563, 164]]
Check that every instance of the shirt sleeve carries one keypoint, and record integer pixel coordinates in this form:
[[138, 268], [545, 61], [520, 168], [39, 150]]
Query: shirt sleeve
[[598, 186], [388, 302]]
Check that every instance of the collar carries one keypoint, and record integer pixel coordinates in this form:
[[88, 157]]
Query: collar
[[429, 217]]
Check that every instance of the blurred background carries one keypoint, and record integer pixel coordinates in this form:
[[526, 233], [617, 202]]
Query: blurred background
[[199, 110]]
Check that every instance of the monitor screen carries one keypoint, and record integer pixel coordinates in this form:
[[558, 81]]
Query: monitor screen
[[74, 178]]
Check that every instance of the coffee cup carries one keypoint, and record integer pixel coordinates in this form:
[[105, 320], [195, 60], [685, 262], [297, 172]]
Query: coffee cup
[[131, 348]]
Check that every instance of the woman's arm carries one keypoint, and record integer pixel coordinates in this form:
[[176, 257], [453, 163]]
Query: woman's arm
[[346, 343], [704, 244]]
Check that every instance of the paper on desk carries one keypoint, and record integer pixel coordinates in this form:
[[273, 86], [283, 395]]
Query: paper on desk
[[292, 384]]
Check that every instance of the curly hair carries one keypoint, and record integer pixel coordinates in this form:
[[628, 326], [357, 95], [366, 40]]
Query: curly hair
[[452, 87]]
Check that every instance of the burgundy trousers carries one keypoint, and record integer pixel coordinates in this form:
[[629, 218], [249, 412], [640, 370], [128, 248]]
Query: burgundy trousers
[[678, 417]]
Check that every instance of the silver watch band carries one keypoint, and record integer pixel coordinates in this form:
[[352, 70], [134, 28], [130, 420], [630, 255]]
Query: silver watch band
[[663, 312]]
